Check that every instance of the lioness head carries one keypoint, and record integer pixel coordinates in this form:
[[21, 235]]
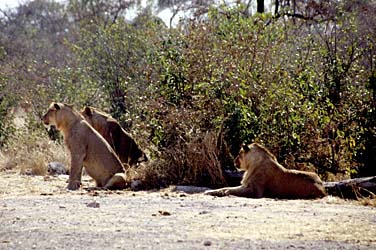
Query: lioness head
[[94, 118], [56, 113], [139, 155], [49, 118], [240, 160], [251, 155]]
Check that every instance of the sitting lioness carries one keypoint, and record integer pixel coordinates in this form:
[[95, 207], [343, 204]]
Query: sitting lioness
[[124, 145], [87, 148], [265, 177]]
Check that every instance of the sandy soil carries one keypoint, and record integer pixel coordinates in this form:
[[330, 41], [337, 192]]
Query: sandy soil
[[38, 213]]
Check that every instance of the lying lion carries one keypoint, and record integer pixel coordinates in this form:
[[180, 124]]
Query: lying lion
[[265, 177], [87, 148], [122, 142]]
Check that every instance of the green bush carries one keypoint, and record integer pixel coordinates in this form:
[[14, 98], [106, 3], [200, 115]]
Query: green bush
[[305, 88]]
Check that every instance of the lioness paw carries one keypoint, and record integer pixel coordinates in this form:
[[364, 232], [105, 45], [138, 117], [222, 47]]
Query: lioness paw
[[74, 185], [218, 193], [208, 192]]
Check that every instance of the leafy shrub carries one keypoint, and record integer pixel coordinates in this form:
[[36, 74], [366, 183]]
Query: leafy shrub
[[192, 94]]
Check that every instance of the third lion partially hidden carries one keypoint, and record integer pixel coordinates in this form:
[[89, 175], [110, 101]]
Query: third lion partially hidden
[[265, 177]]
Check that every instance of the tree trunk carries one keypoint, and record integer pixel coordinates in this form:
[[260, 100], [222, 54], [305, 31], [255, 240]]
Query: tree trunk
[[276, 8], [260, 6]]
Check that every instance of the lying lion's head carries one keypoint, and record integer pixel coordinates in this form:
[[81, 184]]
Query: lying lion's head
[[251, 155], [240, 160]]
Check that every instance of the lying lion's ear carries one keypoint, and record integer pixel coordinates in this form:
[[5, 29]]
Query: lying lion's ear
[[56, 106], [245, 147], [88, 111]]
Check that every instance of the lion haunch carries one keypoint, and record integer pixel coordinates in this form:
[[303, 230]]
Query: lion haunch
[[265, 177], [87, 149], [124, 145]]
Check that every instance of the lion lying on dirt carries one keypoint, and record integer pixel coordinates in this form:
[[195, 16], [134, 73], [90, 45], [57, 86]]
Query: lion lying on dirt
[[265, 177], [87, 148], [124, 145]]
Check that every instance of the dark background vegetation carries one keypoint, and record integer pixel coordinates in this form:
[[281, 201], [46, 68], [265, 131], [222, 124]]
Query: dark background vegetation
[[299, 77]]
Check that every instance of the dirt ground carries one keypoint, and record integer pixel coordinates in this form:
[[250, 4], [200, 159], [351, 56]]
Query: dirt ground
[[38, 213]]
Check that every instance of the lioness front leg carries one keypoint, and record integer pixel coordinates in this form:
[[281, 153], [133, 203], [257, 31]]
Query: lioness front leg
[[242, 191], [217, 192], [75, 171], [236, 191]]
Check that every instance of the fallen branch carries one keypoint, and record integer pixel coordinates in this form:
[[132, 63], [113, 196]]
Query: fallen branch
[[352, 188]]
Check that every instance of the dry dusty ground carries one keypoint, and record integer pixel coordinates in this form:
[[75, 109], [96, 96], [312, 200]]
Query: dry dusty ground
[[38, 213]]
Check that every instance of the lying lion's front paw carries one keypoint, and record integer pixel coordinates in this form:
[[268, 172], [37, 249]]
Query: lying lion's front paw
[[218, 193], [208, 192]]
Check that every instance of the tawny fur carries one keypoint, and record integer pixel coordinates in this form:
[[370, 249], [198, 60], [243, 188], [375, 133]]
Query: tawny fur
[[87, 149], [124, 145], [265, 177]]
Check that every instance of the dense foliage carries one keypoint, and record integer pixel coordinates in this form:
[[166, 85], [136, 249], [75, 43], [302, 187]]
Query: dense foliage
[[304, 86]]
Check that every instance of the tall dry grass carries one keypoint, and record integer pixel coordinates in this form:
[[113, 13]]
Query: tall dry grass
[[193, 163], [187, 163], [29, 152]]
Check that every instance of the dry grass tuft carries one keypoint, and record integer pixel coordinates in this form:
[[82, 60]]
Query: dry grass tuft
[[368, 201], [149, 174], [30, 152], [35, 165], [6, 164], [367, 198], [203, 160], [194, 163]]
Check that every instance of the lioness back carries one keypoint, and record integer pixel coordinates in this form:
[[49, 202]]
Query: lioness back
[[294, 184], [124, 145]]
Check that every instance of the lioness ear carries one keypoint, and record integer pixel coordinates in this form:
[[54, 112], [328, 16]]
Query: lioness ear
[[57, 106], [88, 111], [245, 147]]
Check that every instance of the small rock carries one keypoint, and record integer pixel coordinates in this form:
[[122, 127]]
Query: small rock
[[136, 185], [203, 212], [47, 178], [93, 204], [56, 168], [164, 213], [207, 243], [46, 194], [95, 193]]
